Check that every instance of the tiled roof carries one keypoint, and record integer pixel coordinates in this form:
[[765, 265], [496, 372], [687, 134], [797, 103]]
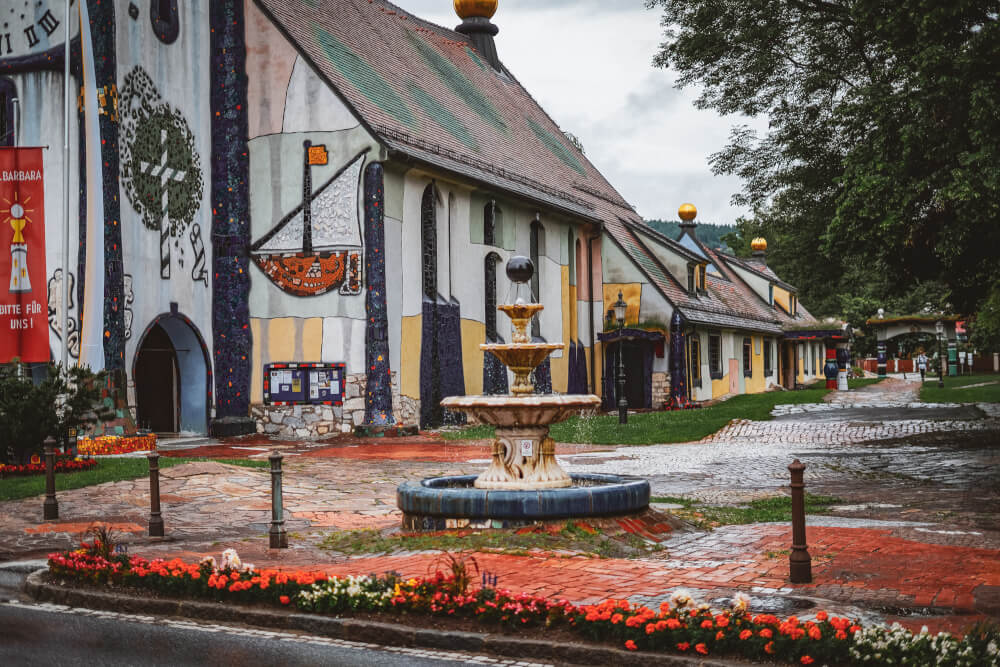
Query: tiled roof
[[722, 306], [426, 94]]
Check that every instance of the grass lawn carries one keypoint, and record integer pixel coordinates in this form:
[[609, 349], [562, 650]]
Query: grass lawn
[[764, 510], [665, 427], [953, 392], [570, 537], [107, 470]]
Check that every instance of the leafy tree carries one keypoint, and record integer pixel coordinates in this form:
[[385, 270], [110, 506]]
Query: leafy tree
[[29, 412], [881, 163]]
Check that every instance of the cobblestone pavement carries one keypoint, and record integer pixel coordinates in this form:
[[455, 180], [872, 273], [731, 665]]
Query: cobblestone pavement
[[919, 526]]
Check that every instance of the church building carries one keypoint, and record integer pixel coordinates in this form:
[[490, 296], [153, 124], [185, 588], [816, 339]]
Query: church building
[[292, 217]]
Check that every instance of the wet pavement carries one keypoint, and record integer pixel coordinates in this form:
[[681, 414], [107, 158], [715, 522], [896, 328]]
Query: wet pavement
[[917, 534]]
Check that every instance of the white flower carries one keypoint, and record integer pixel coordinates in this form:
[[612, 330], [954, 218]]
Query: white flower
[[741, 602], [681, 598], [231, 560]]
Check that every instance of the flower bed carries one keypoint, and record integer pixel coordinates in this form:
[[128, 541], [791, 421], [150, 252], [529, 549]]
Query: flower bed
[[679, 626], [64, 463], [116, 444]]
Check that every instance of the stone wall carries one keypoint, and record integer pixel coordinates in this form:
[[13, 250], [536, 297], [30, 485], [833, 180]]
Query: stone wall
[[293, 422], [660, 390]]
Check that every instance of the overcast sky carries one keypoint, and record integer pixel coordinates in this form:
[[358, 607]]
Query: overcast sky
[[589, 64]]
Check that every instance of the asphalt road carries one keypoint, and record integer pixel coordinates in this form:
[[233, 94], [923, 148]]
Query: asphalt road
[[38, 635]]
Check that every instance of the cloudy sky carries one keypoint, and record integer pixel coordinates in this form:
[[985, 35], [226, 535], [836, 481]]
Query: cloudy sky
[[589, 64]]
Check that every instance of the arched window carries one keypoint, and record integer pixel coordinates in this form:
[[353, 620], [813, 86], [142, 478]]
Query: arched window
[[166, 22], [489, 223], [8, 93], [490, 280], [537, 251], [428, 242]]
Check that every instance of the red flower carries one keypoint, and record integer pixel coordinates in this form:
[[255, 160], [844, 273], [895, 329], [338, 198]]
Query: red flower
[[814, 633], [284, 599], [766, 633], [769, 647], [683, 646], [820, 616], [706, 624], [630, 645], [806, 660], [719, 635], [700, 648], [746, 634]]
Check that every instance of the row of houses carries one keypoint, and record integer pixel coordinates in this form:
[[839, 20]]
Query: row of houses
[[292, 213]]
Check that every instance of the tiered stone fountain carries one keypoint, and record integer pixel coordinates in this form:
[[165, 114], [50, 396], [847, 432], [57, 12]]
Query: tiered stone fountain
[[523, 483]]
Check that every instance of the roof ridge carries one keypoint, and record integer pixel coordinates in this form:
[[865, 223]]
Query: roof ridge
[[676, 245]]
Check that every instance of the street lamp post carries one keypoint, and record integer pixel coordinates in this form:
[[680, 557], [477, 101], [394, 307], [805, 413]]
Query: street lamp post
[[620, 307], [940, 332]]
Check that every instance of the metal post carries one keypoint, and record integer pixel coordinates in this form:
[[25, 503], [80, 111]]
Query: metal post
[[941, 363], [799, 561], [278, 536], [50, 508], [622, 402], [155, 518]]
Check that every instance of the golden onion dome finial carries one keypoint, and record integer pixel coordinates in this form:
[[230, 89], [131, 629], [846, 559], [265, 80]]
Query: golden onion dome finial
[[687, 212], [469, 8], [759, 244]]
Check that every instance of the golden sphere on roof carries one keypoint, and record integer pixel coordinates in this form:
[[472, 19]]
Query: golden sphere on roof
[[687, 212], [759, 244], [469, 8]]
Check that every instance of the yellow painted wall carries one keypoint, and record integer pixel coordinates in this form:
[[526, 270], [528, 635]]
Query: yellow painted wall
[[720, 387], [782, 297], [409, 357], [473, 334], [287, 339], [631, 292], [757, 383], [560, 365]]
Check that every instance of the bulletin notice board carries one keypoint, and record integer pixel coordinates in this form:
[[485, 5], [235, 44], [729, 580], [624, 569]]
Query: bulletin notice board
[[292, 383]]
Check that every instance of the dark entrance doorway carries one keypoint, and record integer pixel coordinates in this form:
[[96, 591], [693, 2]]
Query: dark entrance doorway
[[173, 378], [789, 365], [634, 356], [638, 348], [157, 383]]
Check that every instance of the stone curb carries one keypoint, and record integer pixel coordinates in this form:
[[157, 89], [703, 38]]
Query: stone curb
[[386, 634]]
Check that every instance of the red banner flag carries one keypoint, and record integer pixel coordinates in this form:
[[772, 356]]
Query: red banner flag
[[24, 328]]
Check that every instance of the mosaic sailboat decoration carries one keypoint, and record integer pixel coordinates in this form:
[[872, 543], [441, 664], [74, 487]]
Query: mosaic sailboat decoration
[[317, 247]]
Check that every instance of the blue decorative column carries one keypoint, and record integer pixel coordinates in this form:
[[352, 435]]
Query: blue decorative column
[[678, 365], [231, 339], [102, 32], [378, 392], [882, 358]]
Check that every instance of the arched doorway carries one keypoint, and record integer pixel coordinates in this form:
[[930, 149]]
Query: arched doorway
[[172, 377]]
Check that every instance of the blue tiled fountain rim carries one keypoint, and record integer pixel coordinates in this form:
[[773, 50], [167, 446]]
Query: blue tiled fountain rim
[[455, 497]]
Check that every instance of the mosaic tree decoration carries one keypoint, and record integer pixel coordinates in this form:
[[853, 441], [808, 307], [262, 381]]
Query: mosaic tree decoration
[[378, 391], [678, 373], [161, 170]]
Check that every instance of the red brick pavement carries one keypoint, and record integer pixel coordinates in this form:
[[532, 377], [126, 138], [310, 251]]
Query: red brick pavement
[[859, 567]]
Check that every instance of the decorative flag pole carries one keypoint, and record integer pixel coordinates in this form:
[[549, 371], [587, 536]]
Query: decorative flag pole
[[66, 197]]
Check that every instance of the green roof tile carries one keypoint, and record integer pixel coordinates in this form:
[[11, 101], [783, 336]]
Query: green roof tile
[[557, 147], [363, 76], [440, 115], [452, 77]]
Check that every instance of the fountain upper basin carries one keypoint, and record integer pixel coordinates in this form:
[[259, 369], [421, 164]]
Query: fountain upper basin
[[526, 410]]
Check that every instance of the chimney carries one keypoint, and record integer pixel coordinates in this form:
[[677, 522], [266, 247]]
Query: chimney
[[476, 15]]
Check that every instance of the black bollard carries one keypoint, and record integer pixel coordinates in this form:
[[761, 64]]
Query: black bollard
[[155, 518], [278, 536], [799, 561], [50, 508]]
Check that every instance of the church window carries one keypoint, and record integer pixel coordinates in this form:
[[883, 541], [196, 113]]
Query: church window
[[166, 22], [537, 251], [767, 357], [695, 361], [490, 276], [428, 242], [489, 223], [747, 357], [691, 278]]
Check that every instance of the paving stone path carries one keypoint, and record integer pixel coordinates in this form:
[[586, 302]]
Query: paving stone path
[[919, 525]]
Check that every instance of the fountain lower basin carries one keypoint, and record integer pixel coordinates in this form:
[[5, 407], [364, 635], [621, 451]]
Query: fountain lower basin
[[441, 503]]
